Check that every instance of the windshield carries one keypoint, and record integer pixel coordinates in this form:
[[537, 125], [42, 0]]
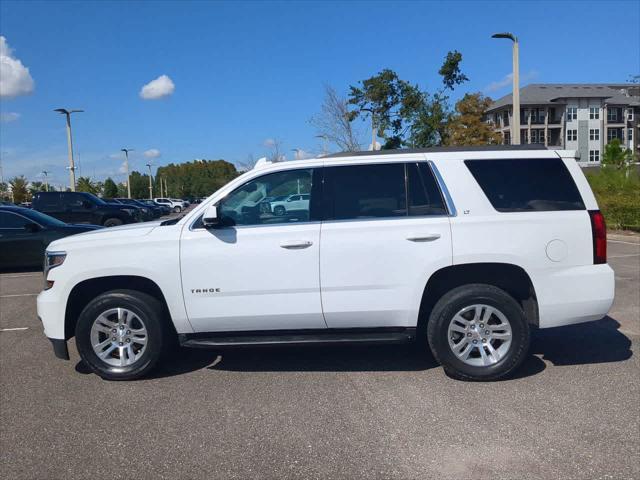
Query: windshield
[[43, 219], [95, 199]]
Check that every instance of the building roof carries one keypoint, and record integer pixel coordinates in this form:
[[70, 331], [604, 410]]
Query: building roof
[[550, 93]]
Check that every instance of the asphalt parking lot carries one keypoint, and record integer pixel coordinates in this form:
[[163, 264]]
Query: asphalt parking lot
[[573, 411]]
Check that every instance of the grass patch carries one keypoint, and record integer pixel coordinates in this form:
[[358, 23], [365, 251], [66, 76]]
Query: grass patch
[[618, 196]]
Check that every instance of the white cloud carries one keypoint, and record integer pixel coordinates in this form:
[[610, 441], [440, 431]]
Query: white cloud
[[152, 153], [508, 79], [123, 168], [160, 87], [6, 117], [269, 143], [15, 79]]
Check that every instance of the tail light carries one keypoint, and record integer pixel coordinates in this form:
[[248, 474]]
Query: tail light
[[599, 234]]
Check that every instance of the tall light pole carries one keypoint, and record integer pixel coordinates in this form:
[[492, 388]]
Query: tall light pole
[[126, 167], [72, 168], [46, 180], [324, 144], [515, 121], [150, 184]]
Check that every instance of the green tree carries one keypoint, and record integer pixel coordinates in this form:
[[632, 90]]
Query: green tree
[[403, 114], [467, 127], [616, 156], [19, 189], [110, 189], [35, 187], [4, 191], [199, 178], [84, 184]]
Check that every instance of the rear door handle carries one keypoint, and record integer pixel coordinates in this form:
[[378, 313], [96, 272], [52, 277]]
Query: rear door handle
[[296, 244], [423, 237]]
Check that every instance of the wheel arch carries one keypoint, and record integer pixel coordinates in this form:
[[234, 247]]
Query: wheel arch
[[87, 290], [511, 278]]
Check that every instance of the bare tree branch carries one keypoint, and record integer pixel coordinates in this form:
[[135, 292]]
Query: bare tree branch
[[333, 122]]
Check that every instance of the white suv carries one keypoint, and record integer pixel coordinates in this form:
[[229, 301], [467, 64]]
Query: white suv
[[291, 203], [462, 251]]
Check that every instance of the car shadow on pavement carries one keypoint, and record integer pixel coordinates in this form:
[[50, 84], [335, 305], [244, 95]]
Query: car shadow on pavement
[[587, 343]]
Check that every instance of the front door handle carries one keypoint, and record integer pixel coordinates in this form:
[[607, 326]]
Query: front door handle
[[295, 244], [423, 237]]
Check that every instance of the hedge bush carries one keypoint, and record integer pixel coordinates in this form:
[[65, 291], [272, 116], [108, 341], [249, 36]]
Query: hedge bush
[[618, 196]]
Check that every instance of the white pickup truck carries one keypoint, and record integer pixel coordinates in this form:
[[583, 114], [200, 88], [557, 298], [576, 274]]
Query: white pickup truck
[[460, 250]]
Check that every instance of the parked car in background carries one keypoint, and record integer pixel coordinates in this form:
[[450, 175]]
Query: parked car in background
[[291, 203], [147, 212], [185, 203], [25, 234], [176, 206], [25, 204], [463, 251], [82, 207], [164, 209]]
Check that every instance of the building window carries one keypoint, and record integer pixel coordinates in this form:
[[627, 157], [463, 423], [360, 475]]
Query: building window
[[630, 136], [594, 134], [594, 113], [612, 115], [594, 155], [630, 114], [572, 135], [525, 136], [572, 113], [614, 133], [507, 138]]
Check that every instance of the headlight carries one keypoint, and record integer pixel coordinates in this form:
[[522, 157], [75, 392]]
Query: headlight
[[52, 260]]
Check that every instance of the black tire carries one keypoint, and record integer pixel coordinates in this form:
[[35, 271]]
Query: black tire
[[177, 209], [453, 302], [112, 222], [148, 309], [279, 211]]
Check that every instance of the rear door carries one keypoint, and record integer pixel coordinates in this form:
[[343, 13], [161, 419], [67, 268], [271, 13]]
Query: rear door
[[385, 230], [77, 208]]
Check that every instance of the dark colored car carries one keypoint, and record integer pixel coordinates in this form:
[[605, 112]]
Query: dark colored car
[[25, 234], [82, 207], [148, 212], [164, 210]]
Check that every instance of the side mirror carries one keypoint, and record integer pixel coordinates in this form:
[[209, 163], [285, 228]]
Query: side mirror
[[32, 227], [210, 219]]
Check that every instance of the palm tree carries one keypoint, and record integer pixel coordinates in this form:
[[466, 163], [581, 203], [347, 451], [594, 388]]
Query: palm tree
[[85, 185], [19, 189]]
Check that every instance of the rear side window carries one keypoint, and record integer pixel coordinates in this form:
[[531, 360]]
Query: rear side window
[[525, 185], [365, 191], [48, 201], [424, 195], [11, 220]]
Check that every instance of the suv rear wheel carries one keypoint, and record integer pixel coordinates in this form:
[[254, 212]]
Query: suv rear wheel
[[177, 209], [120, 334], [478, 332]]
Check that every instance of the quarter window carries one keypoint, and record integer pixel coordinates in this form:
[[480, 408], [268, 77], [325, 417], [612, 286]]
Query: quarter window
[[522, 185], [424, 195], [275, 198]]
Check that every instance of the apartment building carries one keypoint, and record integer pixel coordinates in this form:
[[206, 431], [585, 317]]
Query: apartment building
[[582, 117]]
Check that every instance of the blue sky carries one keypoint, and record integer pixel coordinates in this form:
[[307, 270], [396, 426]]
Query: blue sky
[[245, 72]]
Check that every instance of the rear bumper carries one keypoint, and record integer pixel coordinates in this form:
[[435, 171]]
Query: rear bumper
[[574, 295]]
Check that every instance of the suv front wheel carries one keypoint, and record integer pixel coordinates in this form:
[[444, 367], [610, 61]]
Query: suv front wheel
[[120, 334], [478, 332]]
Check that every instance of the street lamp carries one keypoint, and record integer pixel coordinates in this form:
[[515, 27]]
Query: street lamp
[[150, 184], [72, 168], [515, 130], [46, 180], [126, 167]]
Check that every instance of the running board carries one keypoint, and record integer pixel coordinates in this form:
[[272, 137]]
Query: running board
[[300, 337]]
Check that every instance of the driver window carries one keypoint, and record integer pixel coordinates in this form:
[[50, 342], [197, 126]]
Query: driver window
[[270, 199]]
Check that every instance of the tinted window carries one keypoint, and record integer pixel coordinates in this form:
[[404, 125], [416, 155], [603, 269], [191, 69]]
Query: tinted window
[[270, 199], [527, 184], [424, 195], [48, 201], [11, 220], [365, 191], [74, 200]]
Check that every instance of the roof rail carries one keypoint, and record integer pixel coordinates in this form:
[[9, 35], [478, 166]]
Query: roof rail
[[474, 148]]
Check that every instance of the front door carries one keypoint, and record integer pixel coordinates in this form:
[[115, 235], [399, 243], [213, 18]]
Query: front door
[[19, 247], [386, 230], [261, 272]]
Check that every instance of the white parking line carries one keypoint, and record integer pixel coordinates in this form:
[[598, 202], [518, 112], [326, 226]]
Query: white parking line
[[21, 275], [20, 295], [13, 329], [620, 241]]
